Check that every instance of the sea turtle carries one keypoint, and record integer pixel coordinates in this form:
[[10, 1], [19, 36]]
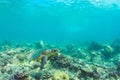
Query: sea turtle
[[48, 53]]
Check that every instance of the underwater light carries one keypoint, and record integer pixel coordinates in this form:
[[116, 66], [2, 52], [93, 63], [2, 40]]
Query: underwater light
[[106, 3], [96, 3]]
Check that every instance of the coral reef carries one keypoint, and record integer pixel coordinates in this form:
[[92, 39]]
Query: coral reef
[[52, 62]]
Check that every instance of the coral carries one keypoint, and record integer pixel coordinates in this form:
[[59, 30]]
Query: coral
[[5, 45], [15, 61], [46, 75], [70, 49], [34, 64], [94, 46], [115, 73], [6, 42], [19, 76], [61, 61], [118, 66], [80, 53], [21, 57], [107, 51], [58, 75], [112, 74], [5, 59], [36, 75], [86, 71]]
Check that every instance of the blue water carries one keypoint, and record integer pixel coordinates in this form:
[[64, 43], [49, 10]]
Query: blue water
[[59, 20]]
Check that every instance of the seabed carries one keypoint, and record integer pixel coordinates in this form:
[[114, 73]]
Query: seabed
[[43, 61]]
